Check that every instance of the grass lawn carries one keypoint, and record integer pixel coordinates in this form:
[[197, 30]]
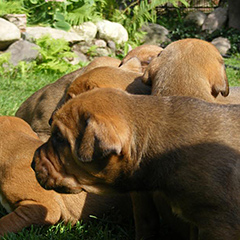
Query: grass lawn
[[13, 91]]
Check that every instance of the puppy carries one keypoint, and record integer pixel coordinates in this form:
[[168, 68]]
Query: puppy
[[145, 53], [38, 108], [107, 140], [127, 77], [188, 67], [24, 199]]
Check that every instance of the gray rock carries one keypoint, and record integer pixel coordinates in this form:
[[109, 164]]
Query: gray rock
[[215, 20], [84, 49], [20, 20], [23, 51], [196, 17], [102, 52], [233, 14], [156, 34], [9, 33], [222, 44], [37, 32], [100, 43], [87, 31], [79, 57], [111, 44], [112, 31]]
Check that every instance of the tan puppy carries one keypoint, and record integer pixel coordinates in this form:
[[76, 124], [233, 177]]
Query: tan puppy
[[145, 53], [188, 67], [107, 140], [38, 108], [20, 194], [127, 77]]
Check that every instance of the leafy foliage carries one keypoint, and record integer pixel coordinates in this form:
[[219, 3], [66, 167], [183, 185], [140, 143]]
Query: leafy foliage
[[53, 54], [53, 58], [135, 15], [11, 6]]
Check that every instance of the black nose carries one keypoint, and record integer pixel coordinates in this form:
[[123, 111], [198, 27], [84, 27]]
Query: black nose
[[33, 165], [50, 121]]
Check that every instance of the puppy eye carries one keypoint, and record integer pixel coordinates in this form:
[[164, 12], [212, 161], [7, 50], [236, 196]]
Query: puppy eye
[[59, 137]]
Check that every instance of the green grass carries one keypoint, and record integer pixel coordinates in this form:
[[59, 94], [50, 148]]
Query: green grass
[[233, 69], [14, 89]]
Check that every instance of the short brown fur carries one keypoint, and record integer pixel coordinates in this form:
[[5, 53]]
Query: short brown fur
[[109, 141], [38, 108], [188, 67], [24, 199]]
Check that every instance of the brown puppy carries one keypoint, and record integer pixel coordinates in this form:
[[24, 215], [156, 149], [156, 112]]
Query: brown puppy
[[38, 108], [20, 194], [188, 67], [145, 53], [127, 77], [107, 140]]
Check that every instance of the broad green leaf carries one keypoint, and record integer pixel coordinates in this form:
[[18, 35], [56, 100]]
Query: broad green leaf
[[62, 25]]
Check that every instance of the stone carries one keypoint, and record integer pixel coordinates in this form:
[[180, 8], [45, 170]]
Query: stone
[[9, 33], [102, 52], [23, 50], [100, 43], [86, 30], [222, 44], [197, 18], [233, 14], [215, 20], [112, 31], [38, 32], [79, 57], [111, 44], [20, 20], [155, 34]]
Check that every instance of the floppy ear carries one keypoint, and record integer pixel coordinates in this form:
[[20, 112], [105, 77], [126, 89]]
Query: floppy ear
[[100, 139], [220, 82], [133, 64], [79, 87]]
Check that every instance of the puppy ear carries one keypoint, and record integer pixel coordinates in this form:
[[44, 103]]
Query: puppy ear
[[100, 139], [222, 85], [133, 64]]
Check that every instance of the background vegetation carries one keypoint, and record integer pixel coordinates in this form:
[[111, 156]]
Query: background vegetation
[[17, 83]]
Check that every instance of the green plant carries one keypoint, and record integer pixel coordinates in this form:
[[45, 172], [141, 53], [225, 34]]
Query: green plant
[[84, 10], [53, 55], [50, 12], [61, 13], [135, 15], [11, 6]]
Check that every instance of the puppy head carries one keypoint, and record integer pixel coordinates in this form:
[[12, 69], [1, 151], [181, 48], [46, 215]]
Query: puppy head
[[104, 77], [102, 61], [145, 53], [151, 70], [89, 147], [188, 62]]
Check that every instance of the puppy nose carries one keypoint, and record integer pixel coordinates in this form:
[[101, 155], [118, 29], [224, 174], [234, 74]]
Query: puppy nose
[[33, 165], [50, 121]]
